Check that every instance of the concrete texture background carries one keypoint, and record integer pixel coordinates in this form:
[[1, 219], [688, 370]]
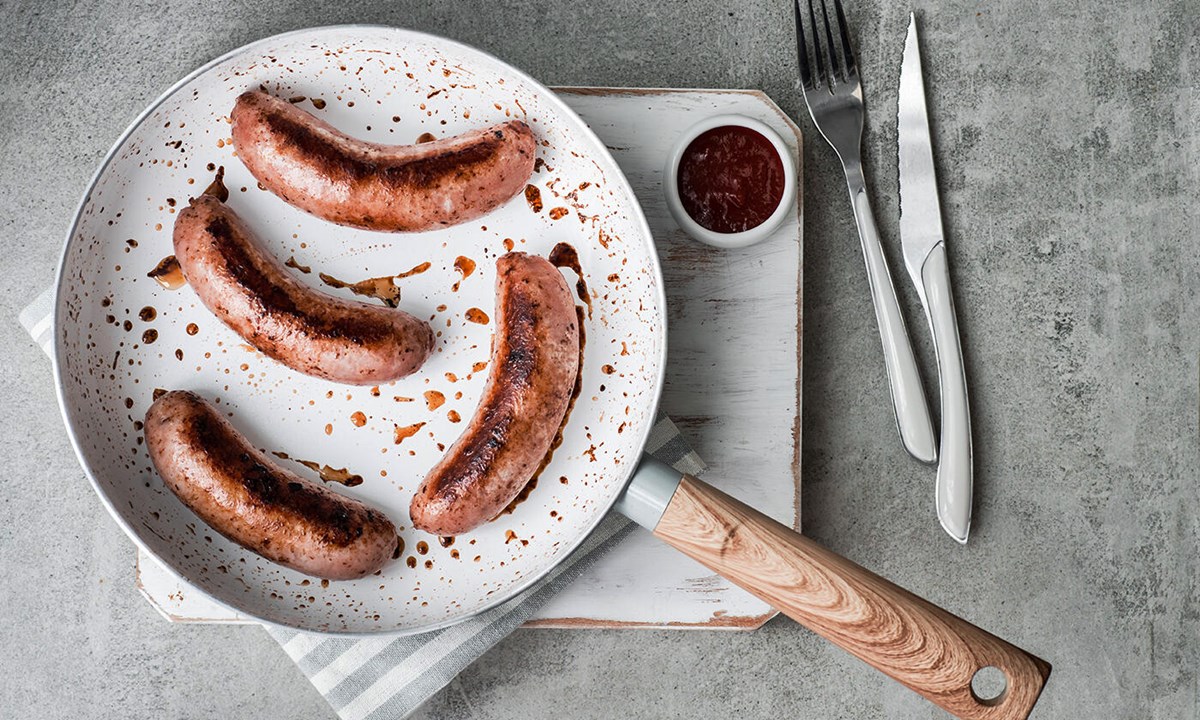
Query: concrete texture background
[[1068, 141]]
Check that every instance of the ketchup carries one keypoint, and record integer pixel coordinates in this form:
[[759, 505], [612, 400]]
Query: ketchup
[[730, 179]]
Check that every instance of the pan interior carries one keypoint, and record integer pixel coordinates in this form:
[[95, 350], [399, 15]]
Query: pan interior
[[120, 335]]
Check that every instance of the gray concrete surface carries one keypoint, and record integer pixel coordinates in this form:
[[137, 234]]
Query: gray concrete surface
[[1069, 151]]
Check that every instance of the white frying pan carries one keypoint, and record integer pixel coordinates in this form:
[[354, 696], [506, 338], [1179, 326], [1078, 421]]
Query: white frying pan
[[119, 335]]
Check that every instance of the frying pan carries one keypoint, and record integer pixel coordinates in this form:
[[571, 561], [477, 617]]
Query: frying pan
[[120, 335]]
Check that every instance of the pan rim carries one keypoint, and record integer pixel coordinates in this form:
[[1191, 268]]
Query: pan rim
[[602, 508]]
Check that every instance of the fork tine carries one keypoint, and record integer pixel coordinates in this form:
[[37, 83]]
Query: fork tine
[[822, 78], [834, 68], [802, 51], [847, 50]]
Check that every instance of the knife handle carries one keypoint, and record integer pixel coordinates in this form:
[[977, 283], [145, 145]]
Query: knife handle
[[955, 479], [908, 395], [926, 648]]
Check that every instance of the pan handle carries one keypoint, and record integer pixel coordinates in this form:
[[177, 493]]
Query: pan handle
[[933, 652]]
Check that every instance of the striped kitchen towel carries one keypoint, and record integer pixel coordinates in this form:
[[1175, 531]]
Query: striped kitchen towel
[[388, 677]]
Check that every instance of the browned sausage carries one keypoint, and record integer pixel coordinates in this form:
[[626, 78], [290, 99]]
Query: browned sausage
[[255, 503], [535, 357], [310, 164], [315, 333]]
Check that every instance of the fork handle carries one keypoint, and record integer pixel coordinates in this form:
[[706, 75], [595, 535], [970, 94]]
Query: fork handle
[[908, 394]]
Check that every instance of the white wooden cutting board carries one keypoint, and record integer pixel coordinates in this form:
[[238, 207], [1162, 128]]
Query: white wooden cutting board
[[733, 380]]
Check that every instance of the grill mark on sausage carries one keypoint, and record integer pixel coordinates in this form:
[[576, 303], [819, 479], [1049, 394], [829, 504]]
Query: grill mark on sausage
[[313, 332], [314, 166], [301, 137], [517, 367], [534, 368], [269, 488], [283, 298]]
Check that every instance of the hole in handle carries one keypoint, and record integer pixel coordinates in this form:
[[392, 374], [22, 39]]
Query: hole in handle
[[989, 684]]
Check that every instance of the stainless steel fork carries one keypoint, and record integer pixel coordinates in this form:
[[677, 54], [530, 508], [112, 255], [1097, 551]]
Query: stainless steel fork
[[834, 97]]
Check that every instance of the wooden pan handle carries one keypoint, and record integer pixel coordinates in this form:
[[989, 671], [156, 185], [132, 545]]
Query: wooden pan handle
[[917, 643]]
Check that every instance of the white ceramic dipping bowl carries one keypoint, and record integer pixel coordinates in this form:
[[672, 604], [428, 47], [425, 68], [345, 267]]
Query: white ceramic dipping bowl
[[738, 239]]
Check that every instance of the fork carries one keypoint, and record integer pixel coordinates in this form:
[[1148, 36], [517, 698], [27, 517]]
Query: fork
[[835, 101]]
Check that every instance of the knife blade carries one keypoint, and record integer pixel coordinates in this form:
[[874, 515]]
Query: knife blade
[[924, 249]]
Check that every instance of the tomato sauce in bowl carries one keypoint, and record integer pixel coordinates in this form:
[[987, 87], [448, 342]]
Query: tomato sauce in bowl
[[730, 179]]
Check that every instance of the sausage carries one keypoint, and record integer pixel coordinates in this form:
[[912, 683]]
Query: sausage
[[255, 503], [535, 357], [309, 331], [313, 166]]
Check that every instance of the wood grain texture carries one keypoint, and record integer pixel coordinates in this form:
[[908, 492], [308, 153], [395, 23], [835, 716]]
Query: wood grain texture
[[911, 640]]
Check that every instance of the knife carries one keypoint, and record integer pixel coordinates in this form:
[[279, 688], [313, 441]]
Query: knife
[[924, 249]]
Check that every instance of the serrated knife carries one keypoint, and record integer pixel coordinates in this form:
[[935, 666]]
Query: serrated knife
[[924, 248]]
